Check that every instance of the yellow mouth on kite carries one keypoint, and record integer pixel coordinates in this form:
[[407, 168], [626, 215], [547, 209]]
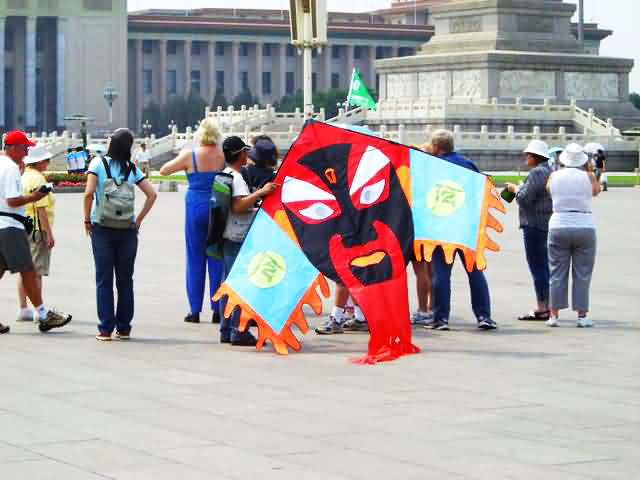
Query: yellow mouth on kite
[[368, 260]]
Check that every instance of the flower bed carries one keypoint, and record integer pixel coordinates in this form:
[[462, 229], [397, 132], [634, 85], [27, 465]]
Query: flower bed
[[66, 180]]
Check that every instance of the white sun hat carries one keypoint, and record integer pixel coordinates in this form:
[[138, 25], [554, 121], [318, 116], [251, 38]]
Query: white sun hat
[[538, 147], [573, 156], [37, 154]]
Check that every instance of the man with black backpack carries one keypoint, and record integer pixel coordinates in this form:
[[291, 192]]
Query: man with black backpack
[[15, 253]]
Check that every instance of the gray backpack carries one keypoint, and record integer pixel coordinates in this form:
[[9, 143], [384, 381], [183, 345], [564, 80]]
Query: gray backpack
[[115, 207]]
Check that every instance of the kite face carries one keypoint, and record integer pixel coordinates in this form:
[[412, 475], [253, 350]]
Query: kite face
[[346, 200], [356, 209]]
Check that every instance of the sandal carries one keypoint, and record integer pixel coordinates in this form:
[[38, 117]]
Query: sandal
[[536, 316]]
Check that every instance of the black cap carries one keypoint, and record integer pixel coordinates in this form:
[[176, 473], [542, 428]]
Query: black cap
[[264, 153], [233, 145]]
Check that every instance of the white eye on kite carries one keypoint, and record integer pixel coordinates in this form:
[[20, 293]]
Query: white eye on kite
[[317, 211], [371, 193]]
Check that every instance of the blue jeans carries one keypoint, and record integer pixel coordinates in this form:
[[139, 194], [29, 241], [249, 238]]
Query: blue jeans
[[229, 325], [195, 232], [480, 300], [535, 247], [114, 251]]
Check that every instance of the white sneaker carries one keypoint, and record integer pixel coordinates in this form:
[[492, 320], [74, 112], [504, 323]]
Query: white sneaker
[[26, 315], [584, 322], [552, 322]]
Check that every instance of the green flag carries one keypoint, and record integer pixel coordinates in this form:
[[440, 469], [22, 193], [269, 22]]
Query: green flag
[[359, 96]]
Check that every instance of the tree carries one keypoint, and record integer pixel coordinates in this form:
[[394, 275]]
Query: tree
[[328, 100], [635, 100], [219, 100], [245, 97], [184, 112]]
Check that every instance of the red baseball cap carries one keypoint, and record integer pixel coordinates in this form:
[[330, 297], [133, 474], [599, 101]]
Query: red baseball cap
[[17, 137]]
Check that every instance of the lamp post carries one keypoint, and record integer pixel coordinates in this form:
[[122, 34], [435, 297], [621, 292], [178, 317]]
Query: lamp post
[[110, 95], [146, 128], [171, 126]]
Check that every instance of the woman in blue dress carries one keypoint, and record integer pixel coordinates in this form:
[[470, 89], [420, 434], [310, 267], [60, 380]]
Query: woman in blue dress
[[201, 165]]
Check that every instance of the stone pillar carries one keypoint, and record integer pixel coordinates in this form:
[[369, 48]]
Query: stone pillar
[[259, 68], [235, 69], [163, 71], [561, 89], [326, 67], [211, 54], [60, 53], [187, 67], [30, 73], [371, 78], [349, 60], [2, 54], [139, 76], [282, 69]]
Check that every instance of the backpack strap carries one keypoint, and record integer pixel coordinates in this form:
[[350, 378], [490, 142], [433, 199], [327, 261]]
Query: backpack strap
[[107, 168]]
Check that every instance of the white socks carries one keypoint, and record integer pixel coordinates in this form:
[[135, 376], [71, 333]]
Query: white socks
[[42, 312], [338, 313]]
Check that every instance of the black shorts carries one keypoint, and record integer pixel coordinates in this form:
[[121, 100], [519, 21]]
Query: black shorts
[[15, 252]]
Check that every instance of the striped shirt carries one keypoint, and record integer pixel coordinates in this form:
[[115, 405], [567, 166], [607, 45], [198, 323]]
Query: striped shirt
[[534, 200]]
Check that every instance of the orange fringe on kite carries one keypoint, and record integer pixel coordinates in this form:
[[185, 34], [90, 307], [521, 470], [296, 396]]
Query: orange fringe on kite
[[423, 249], [286, 338]]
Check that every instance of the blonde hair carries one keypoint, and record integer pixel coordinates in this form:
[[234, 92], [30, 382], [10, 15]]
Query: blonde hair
[[208, 132], [425, 147], [443, 139]]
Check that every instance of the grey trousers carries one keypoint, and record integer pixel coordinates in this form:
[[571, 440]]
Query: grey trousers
[[575, 248]]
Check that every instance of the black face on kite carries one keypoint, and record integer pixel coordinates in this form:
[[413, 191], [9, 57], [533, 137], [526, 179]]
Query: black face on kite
[[351, 217]]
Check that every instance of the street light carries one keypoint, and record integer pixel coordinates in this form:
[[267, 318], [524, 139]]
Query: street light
[[146, 128], [110, 95], [171, 126]]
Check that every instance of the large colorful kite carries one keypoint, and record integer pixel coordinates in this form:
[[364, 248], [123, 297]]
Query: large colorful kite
[[355, 209]]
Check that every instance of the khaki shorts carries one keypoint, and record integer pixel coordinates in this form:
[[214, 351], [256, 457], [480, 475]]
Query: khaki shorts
[[40, 252]]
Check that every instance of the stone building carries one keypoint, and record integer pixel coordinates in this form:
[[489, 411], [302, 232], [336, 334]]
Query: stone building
[[57, 56]]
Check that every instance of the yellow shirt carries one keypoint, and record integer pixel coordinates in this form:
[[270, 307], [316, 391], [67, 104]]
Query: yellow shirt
[[32, 180]]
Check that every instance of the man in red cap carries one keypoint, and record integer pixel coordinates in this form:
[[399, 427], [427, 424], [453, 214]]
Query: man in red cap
[[15, 253]]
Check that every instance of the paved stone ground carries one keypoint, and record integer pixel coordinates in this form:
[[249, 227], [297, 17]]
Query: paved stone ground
[[523, 402]]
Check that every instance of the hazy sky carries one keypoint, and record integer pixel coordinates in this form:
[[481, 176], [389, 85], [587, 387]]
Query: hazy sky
[[617, 15]]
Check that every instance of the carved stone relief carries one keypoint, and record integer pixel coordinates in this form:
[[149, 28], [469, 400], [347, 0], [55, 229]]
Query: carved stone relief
[[465, 24], [527, 84], [432, 84], [401, 85], [591, 86], [466, 83]]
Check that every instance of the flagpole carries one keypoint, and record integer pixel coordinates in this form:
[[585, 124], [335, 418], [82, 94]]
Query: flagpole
[[353, 74]]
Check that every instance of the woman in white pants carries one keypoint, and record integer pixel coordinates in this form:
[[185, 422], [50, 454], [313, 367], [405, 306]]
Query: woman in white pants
[[572, 234]]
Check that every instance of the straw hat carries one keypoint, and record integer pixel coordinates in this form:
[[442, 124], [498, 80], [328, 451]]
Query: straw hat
[[573, 156], [538, 147], [37, 154]]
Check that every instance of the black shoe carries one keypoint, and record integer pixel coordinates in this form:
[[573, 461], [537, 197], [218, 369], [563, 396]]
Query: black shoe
[[225, 339], [215, 318], [442, 325], [485, 323], [4, 329], [192, 318], [244, 340]]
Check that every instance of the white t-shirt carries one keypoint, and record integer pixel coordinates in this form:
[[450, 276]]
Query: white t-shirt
[[143, 156], [572, 196], [238, 223], [10, 187]]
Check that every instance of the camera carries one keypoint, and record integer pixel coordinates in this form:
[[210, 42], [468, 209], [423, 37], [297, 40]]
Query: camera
[[46, 188]]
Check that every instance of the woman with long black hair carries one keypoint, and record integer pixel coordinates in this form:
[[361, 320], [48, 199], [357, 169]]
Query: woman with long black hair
[[110, 221]]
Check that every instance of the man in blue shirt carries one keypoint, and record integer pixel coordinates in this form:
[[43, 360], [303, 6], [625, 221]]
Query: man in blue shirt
[[443, 146]]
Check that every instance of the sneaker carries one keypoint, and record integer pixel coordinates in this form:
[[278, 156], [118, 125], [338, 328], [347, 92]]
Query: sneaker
[[353, 325], [442, 325], [584, 322], [103, 337], [552, 322], [54, 319], [122, 336], [421, 318], [26, 315], [192, 318], [4, 329], [330, 327], [485, 323], [244, 339]]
